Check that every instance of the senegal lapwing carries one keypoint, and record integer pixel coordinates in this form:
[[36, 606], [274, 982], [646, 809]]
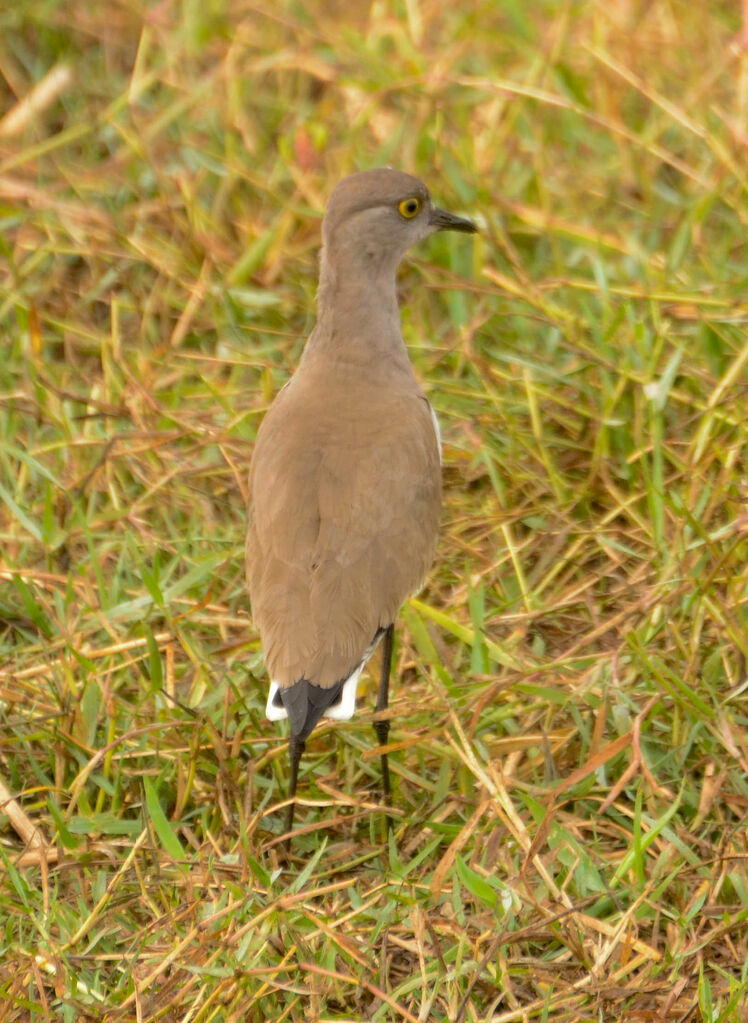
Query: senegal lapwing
[[345, 484]]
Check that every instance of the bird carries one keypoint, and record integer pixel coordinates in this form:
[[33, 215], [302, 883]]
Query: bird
[[345, 478]]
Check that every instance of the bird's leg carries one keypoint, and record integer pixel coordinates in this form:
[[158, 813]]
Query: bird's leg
[[295, 749], [382, 727]]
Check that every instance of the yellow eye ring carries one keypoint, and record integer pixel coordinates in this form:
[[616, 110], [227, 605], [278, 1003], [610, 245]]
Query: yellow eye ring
[[410, 207]]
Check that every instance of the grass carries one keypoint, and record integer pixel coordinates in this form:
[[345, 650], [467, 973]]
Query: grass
[[569, 723]]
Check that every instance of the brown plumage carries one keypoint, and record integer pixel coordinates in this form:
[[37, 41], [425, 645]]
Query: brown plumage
[[346, 530], [345, 484]]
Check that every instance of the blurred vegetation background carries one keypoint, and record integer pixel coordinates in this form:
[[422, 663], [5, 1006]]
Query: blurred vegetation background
[[569, 716]]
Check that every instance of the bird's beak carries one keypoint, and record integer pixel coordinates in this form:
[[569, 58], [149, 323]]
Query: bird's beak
[[442, 220]]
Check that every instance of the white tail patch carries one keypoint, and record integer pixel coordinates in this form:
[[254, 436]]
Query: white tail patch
[[343, 710], [272, 711]]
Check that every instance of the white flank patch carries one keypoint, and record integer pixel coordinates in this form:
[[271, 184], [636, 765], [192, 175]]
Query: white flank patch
[[437, 431]]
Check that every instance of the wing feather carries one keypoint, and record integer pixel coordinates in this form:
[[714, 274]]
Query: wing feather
[[343, 520]]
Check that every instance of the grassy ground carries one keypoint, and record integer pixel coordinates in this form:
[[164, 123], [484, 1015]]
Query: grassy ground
[[569, 726]]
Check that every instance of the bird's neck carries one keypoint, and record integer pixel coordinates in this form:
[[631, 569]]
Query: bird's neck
[[358, 318]]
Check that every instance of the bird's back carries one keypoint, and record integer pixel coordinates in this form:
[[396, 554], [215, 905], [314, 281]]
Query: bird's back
[[344, 503]]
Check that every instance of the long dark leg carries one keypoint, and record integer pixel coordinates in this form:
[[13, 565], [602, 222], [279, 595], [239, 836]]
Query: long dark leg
[[382, 728], [295, 749]]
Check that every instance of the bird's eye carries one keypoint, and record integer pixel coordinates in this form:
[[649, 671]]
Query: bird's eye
[[410, 207]]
